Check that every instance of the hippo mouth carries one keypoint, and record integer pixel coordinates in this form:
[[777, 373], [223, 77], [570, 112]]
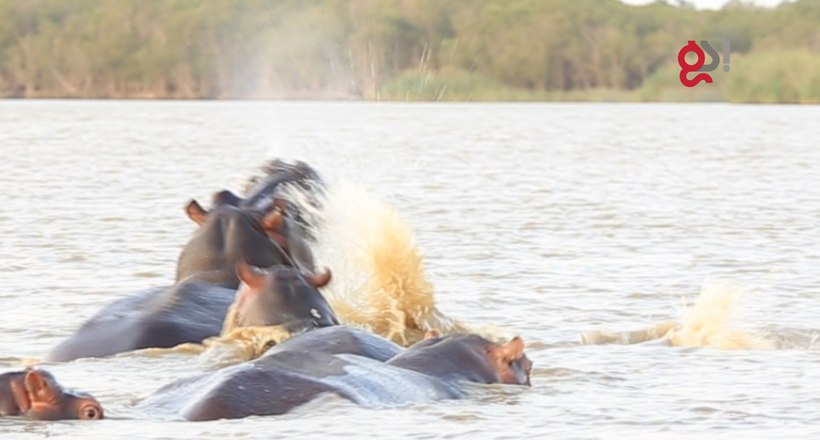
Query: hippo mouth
[[317, 320]]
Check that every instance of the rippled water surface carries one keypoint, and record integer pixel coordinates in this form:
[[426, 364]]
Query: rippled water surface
[[544, 220]]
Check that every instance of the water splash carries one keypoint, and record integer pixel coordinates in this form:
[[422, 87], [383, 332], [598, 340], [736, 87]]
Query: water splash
[[712, 322], [379, 279]]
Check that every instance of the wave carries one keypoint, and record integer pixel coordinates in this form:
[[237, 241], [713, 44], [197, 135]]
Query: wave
[[379, 280], [713, 321]]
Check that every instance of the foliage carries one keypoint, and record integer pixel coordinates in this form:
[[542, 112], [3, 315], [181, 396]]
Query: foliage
[[400, 49]]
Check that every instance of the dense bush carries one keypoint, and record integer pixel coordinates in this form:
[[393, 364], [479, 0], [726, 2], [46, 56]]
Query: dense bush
[[400, 49]]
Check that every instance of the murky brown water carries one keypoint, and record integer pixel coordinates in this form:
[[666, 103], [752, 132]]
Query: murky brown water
[[544, 220]]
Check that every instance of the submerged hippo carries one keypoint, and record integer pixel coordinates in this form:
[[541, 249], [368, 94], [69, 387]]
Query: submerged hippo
[[281, 295], [37, 395], [287, 377], [193, 310], [468, 358]]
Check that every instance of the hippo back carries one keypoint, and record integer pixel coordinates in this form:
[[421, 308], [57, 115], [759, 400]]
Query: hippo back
[[280, 382], [160, 317], [340, 340]]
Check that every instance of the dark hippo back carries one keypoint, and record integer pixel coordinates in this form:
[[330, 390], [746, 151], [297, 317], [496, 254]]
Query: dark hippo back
[[340, 340], [162, 317], [280, 382]]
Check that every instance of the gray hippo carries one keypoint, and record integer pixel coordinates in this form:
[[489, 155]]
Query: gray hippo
[[227, 235], [192, 311], [296, 372]]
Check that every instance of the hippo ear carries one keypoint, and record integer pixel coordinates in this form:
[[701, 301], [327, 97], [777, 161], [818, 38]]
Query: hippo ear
[[41, 388], [273, 221], [280, 204], [512, 350], [432, 334], [319, 280], [225, 197], [196, 212], [250, 275], [21, 396]]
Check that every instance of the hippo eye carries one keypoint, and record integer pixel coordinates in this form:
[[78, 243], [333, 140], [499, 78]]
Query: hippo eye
[[315, 313], [91, 413]]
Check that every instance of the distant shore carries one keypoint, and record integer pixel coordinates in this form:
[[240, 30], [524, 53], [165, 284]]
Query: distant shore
[[408, 50]]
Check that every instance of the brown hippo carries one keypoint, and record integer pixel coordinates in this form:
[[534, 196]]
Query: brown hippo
[[281, 295], [192, 311], [278, 224], [468, 358], [287, 377], [37, 395], [227, 235]]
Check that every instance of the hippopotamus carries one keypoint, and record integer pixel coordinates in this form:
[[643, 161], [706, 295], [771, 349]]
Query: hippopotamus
[[192, 311], [289, 375], [227, 235], [163, 317], [278, 175], [261, 192], [278, 224], [468, 358], [282, 296], [37, 395], [340, 339]]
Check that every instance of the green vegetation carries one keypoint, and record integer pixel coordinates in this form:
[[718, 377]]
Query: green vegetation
[[401, 49]]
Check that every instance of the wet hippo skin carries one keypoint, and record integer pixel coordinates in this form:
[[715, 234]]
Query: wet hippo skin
[[277, 383], [226, 236], [305, 367], [192, 311], [281, 295], [164, 317], [468, 358], [341, 340]]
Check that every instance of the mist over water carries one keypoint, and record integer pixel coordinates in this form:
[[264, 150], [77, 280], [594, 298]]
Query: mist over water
[[546, 221]]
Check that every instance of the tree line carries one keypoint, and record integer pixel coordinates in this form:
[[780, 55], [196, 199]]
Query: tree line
[[401, 49]]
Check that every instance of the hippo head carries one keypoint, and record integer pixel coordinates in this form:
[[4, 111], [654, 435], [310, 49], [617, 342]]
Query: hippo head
[[281, 295], [41, 397], [471, 357], [228, 234], [510, 362]]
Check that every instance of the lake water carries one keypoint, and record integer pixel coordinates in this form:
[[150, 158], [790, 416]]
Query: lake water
[[545, 221]]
